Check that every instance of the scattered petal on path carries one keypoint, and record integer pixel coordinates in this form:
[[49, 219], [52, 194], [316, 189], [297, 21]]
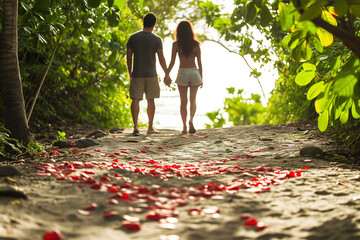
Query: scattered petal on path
[[52, 235]]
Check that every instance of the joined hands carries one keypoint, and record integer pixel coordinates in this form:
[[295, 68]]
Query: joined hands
[[167, 80]]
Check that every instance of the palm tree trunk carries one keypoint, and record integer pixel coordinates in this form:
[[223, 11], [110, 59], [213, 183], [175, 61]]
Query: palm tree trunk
[[10, 82]]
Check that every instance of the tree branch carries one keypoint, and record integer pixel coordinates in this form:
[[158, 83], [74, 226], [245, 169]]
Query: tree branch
[[350, 41]]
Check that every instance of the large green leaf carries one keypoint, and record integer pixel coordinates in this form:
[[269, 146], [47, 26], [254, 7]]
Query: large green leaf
[[312, 12], [295, 38], [328, 17], [324, 99], [355, 109], [265, 16], [315, 90], [323, 121], [326, 38], [317, 43], [346, 105], [285, 41], [286, 16], [303, 78], [344, 84], [296, 53], [337, 112], [250, 12], [344, 117], [306, 51], [309, 67], [119, 4], [308, 26]]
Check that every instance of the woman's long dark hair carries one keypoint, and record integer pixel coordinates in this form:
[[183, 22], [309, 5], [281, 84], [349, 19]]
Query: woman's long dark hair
[[186, 38]]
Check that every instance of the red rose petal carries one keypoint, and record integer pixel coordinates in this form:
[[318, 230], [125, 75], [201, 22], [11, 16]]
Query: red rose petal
[[91, 207], [131, 226], [109, 214], [251, 222], [52, 235]]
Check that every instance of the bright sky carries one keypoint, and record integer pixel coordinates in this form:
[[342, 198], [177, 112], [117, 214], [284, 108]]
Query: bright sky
[[221, 70]]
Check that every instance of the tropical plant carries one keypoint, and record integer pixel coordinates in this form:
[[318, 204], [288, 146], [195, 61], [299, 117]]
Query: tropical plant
[[6, 142], [216, 118], [243, 111], [72, 58], [240, 110], [313, 25]]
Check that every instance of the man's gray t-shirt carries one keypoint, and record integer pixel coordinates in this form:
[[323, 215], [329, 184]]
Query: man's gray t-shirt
[[144, 45]]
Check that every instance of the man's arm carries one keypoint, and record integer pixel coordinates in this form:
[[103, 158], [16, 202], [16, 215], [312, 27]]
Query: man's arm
[[162, 61], [129, 55]]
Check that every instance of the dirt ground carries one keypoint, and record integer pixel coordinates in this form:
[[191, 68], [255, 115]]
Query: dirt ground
[[248, 182]]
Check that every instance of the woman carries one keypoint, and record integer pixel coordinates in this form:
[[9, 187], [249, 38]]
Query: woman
[[187, 46]]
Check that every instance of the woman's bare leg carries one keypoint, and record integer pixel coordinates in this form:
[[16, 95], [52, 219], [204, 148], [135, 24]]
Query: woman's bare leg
[[193, 91], [183, 105]]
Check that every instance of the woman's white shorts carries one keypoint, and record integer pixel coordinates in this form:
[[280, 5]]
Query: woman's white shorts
[[188, 77]]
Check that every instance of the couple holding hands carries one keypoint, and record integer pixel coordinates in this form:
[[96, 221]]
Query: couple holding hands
[[142, 48]]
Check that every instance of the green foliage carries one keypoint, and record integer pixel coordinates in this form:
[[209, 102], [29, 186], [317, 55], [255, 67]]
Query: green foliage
[[243, 111], [216, 118], [240, 110], [318, 75], [88, 79], [335, 88], [61, 136], [34, 148], [7, 142], [10, 146]]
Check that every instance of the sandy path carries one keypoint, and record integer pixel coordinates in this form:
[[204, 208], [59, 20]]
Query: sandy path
[[219, 184]]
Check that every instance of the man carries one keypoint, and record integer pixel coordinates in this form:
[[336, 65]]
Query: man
[[143, 47]]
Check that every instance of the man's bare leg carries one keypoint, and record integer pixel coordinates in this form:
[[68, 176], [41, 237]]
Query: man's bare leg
[[183, 106], [151, 114], [193, 91], [135, 108]]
